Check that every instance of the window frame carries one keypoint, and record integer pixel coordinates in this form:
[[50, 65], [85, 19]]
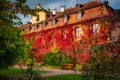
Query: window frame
[[53, 21], [29, 28], [38, 18], [43, 24], [77, 32], [79, 15], [36, 26], [64, 36], [95, 28], [65, 18]]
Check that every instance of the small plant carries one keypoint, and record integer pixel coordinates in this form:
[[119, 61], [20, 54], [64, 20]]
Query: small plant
[[29, 60]]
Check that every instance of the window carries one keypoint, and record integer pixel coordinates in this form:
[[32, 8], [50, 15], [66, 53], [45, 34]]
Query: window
[[43, 24], [78, 32], [53, 21], [36, 26], [65, 18], [79, 15], [37, 18], [95, 28], [64, 34], [29, 28]]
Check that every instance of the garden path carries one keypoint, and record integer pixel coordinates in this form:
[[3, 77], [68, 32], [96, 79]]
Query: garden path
[[54, 71], [51, 72]]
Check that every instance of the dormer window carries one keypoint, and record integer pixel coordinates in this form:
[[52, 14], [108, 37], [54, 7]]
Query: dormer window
[[95, 28], [29, 28], [37, 18], [79, 15], [44, 24], [53, 21], [65, 18], [36, 26]]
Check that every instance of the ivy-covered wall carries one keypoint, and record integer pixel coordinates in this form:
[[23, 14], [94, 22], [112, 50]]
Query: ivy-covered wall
[[64, 37]]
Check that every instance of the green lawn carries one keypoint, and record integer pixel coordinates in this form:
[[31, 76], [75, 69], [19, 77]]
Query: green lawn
[[16, 71], [72, 77]]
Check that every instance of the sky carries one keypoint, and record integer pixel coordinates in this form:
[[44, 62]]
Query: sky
[[56, 4]]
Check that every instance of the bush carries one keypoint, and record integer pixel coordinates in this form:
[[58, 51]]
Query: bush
[[104, 61], [56, 58]]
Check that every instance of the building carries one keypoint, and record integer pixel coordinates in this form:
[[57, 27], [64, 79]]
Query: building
[[69, 26], [115, 32]]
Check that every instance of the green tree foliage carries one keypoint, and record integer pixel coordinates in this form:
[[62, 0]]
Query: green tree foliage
[[9, 11], [11, 42], [11, 45]]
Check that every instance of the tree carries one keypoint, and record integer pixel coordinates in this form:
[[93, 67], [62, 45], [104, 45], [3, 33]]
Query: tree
[[11, 42]]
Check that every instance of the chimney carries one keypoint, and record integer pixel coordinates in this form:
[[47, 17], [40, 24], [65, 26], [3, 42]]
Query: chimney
[[54, 11], [106, 2], [79, 6], [38, 6], [62, 8]]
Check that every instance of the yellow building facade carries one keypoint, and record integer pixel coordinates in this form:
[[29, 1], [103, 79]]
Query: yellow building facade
[[41, 15]]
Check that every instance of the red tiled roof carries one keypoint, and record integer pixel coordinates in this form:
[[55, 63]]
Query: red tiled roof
[[86, 6], [91, 7]]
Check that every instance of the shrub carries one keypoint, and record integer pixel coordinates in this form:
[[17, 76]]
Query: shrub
[[104, 61], [56, 58]]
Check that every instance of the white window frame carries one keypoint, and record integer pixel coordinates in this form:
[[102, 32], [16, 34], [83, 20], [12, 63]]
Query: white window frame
[[44, 24], [29, 28], [53, 21], [77, 32], [79, 15], [36, 26], [95, 28], [65, 18]]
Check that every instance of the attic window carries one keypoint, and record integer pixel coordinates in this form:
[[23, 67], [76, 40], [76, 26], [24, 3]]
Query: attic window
[[29, 28], [37, 18], [79, 15], [36, 26], [95, 28], [65, 18], [44, 24], [53, 21]]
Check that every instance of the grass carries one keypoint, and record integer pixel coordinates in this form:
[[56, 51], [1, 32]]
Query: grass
[[63, 77], [16, 71], [73, 77]]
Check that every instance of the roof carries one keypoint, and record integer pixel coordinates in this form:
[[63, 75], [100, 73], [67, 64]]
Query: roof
[[88, 15], [91, 10]]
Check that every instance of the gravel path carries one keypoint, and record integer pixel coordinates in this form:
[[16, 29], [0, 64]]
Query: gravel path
[[54, 72], [51, 72]]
